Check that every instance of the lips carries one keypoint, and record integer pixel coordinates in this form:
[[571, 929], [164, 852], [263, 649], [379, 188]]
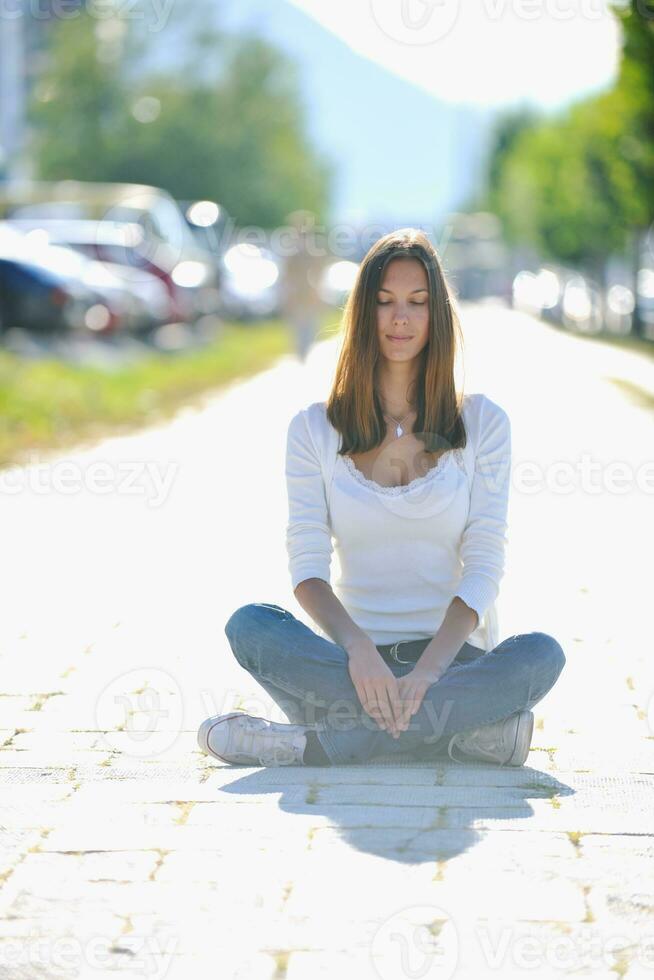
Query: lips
[[390, 337]]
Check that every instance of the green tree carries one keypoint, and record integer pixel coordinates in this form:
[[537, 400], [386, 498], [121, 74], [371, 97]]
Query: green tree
[[509, 125], [580, 186], [635, 102], [566, 189], [239, 138], [79, 102]]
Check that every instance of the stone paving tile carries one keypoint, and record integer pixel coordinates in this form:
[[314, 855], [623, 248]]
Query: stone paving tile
[[91, 773], [541, 815], [15, 711], [60, 742], [29, 914], [57, 758], [37, 790], [409, 796], [303, 965], [489, 850], [637, 760], [117, 792], [367, 816], [277, 777], [59, 871], [11, 776], [455, 958], [385, 890], [184, 838], [31, 816], [548, 949], [625, 905]]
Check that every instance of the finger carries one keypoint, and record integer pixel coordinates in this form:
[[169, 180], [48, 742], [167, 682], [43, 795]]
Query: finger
[[385, 702], [372, 707], [396, 698], [366, 700], [409, 706], [402, 702], [401, 708], [418, 695]]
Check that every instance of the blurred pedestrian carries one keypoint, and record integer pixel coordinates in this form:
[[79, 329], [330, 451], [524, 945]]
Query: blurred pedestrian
[[301, 301]]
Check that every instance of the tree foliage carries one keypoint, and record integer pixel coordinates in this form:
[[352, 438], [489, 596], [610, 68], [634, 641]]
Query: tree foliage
[[240, 140], [575, 186]]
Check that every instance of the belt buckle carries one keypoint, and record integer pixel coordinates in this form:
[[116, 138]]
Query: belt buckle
[[393, 652]]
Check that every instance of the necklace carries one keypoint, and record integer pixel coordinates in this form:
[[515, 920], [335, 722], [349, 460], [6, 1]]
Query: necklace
[[399, 431]]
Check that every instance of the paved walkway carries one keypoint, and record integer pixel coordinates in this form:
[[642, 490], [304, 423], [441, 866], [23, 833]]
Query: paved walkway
[[126, 852]]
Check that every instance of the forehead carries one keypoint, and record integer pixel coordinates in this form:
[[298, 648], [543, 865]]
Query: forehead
[[407, 273]]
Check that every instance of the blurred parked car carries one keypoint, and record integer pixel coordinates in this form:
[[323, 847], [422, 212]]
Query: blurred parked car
[[42, 299], [117, 247], [560, 295], [582, 305], [645, 287], [121, 307], [132, 224], [619, 308]]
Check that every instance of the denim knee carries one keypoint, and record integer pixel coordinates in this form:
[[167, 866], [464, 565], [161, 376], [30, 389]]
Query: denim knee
[[238, 617], [242, 619], [237, 629], [252, 610], [552, 650]]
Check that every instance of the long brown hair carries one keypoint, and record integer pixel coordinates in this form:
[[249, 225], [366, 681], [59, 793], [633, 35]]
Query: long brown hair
[[353, 405]]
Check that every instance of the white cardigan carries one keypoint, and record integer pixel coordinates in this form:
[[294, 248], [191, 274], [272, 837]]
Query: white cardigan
[[404, 552]]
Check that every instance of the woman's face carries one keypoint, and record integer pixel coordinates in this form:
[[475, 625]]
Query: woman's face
[[403, 309]]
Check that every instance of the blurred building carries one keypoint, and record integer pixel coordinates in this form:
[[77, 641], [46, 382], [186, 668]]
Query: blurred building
[[12, 94], [22, 57]]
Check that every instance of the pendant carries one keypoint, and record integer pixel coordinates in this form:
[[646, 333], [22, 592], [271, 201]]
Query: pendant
[[399, 431]]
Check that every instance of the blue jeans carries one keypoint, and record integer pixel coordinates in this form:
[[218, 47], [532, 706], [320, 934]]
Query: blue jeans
[[308, 677]]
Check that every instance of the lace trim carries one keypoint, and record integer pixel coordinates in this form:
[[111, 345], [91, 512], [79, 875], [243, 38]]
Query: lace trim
[[453, 454]]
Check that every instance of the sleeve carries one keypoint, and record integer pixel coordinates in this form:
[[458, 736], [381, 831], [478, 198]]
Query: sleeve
[[308, 534], [484, 537]]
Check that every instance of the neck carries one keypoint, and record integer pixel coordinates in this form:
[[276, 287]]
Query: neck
[[396, 389]]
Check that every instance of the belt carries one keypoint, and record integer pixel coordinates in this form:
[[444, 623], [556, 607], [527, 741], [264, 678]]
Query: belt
[[412, 649]]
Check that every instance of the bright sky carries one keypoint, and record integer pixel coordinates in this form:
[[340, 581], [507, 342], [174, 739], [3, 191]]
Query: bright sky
[[490, 52]]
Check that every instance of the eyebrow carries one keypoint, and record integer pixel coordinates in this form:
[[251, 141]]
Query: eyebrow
[[421, 290]]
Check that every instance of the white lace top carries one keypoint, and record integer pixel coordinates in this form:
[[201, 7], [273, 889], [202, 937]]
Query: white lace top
[[402, 553], [431, 475]]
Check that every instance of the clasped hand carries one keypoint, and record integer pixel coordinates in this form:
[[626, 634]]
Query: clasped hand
[[391, 701]]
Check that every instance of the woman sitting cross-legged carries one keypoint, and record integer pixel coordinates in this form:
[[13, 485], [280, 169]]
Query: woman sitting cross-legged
[[409, 480]]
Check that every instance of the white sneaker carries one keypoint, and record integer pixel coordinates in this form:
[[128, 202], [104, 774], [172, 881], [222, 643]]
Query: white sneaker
[[506, 742], [248, 740]]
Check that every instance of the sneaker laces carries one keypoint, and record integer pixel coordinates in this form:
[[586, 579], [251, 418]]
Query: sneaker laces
[[284, 758], [479, 743], [276, 748]]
